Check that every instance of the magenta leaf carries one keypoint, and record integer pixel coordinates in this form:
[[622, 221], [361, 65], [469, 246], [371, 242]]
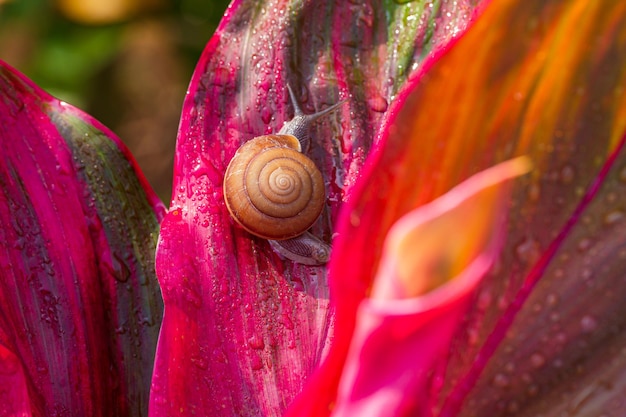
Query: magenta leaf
[[80, 307], [544, 332], [243, 329], [421, 292]]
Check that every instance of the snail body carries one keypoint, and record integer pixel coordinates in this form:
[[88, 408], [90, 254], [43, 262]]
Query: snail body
[[305, 249], [274, 191]]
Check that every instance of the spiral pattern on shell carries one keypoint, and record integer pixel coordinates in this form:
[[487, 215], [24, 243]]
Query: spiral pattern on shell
[[271, 189]]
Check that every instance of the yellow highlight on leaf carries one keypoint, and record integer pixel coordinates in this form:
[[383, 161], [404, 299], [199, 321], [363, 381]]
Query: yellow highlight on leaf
[[435, 243]]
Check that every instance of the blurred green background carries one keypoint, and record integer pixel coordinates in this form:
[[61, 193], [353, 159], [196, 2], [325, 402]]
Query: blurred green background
[[126, 62]]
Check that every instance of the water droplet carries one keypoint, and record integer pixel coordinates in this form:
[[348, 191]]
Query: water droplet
[[501, 381], [513, 407], [560, 338], [287, 322], [584, 244], [613, 217], [159, 398], [534, 192], [552, 300], [528, 251], [121, 272], [611, 197], [256, 342], [218, 355], [567, 174], [377, 103], [537, 360], [266, 114], [220, 76], [200, 361], [588, 324]]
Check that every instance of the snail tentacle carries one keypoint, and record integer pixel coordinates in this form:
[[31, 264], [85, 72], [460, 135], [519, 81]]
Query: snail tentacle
[[300, 125]]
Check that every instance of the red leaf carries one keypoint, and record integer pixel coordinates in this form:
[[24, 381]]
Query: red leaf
[[545, 79], [434, 258], [79, 304], [245, 326]]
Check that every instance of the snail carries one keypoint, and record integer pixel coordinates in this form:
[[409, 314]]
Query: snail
[[274, 191]]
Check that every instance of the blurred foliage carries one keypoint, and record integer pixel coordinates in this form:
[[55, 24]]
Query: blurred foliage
[[126, 62]]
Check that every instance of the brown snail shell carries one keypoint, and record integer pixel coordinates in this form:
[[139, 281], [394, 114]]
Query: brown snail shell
[[273, 190]]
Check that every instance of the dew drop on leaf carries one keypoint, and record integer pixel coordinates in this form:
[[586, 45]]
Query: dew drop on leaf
[[534, 192], [588, 324], [613, 217], [501, 381], [537, 360], [200, 361], [513, 407], [567, 174], [532, 390], [220, 76], [584, 244], [528, 251], [586, 273], [377, 103], [256, 342], [552, 300]]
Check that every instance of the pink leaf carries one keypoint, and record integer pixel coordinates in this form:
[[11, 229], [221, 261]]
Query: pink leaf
[[79, 303], [434, 258], [549, 312], [247, 327]]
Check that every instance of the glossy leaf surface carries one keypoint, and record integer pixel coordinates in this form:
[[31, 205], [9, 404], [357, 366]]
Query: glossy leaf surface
[[543, 79], [245, 326], [80, 307]]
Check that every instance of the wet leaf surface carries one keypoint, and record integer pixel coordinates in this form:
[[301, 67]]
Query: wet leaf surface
[[248, 326], [80, 307]]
